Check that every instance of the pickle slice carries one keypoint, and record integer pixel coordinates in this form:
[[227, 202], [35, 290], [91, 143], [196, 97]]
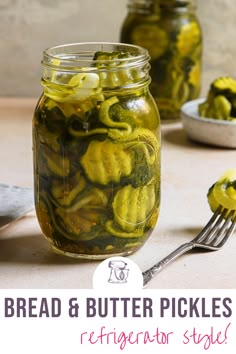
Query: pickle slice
[[105, 161], [57, 164], [225, 85], [213, 203], [81, 221], [78, 222], [115, 78], [44, 217], [146, 35], [65, 193], [188, 38], [225, 190], [132, 207], [84, 80], [218, 108], [114, 230]]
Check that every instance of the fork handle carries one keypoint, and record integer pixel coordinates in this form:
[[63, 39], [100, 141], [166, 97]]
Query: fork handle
[[156, 268]]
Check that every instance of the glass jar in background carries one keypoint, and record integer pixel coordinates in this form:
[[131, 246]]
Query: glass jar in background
[[170, 31], [96, 142]]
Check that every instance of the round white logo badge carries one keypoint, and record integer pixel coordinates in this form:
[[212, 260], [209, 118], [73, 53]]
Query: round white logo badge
[[117, 273]]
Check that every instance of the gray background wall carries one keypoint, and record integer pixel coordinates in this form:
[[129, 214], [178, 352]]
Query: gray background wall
[[27, 27]]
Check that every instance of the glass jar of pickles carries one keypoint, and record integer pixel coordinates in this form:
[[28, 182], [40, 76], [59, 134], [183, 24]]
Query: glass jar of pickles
[[170, 31], [96, 143]]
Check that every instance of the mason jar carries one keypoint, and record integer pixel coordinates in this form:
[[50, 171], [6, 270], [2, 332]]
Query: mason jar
[[96, 143], [171, 32]]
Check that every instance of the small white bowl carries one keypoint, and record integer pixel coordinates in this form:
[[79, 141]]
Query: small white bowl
[[207, 130]]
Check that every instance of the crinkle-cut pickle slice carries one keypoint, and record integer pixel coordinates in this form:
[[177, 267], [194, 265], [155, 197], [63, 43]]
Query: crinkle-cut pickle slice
[[105, 161], [218, 107], [151, 37], [132, 208], [188, 38], [224, 84], [220, 101], [223, 192]]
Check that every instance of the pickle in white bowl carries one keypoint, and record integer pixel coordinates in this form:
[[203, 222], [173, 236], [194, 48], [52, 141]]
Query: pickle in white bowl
[[210, 131]]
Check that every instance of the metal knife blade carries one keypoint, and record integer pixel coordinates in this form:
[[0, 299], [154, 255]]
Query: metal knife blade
[[15, 202]]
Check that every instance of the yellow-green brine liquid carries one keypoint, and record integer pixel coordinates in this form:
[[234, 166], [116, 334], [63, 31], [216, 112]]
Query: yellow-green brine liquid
[[96, 141], [170, 31]]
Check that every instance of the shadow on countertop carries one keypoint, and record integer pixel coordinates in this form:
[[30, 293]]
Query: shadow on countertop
[[32, 249], [176, 135]]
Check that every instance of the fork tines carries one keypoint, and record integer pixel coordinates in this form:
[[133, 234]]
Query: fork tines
[[218, 229]]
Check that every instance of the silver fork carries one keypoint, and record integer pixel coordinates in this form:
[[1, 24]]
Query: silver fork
[[212, 237]]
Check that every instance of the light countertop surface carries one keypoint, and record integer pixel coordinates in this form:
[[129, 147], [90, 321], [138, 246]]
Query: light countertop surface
[[188, 170]]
